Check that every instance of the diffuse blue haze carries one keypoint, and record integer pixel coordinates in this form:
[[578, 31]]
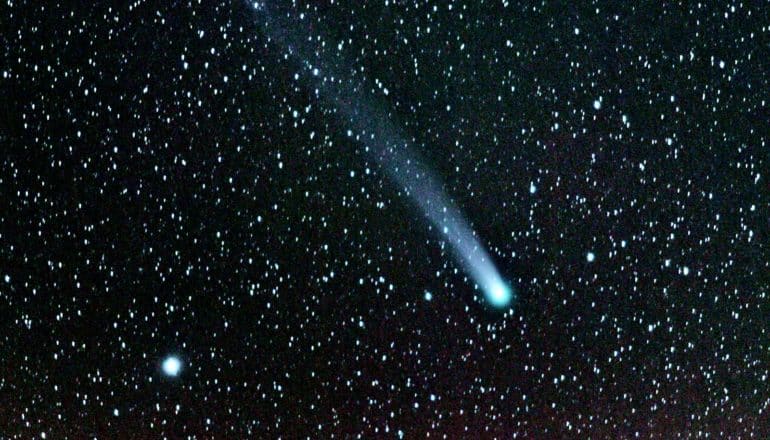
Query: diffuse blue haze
[[368, 124]]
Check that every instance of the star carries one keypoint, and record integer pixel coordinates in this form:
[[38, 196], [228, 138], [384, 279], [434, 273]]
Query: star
[[171, 366]]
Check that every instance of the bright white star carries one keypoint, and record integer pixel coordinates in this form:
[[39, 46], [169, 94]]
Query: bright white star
[[172, 365]]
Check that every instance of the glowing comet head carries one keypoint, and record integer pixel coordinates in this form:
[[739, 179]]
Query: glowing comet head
[[497, 292]]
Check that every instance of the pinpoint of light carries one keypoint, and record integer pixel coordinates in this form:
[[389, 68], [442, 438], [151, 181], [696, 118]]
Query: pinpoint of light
[[590, 257], [428, 296], [172, 365]]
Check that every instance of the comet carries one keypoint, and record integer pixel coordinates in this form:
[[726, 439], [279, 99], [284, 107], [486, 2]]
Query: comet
[[372, 127]]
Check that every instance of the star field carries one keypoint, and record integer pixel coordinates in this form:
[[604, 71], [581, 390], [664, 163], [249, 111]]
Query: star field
[[195, 243]]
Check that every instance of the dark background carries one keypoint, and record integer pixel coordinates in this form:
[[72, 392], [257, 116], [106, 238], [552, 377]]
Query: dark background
[[160, 196]]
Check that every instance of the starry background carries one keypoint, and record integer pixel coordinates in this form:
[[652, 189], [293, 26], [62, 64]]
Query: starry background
[[171, 186]]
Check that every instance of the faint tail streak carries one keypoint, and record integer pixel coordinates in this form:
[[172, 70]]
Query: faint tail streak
[[342, 88]]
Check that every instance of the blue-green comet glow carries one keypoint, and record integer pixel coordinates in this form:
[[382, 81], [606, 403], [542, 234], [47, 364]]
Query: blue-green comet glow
[[498, 293], [370, 125]]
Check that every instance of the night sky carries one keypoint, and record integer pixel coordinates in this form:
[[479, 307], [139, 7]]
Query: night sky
[[196, 243]]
